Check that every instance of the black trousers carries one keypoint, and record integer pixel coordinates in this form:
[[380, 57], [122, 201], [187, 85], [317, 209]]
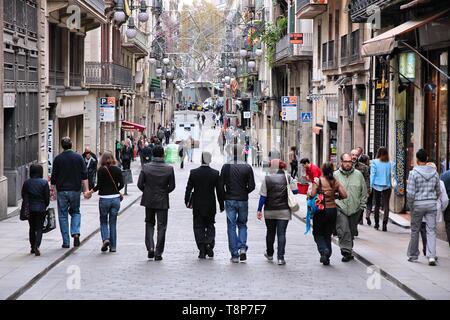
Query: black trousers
[[204, 231], [386, 197], [153, 217], [447, 223], [36, 223], [126, 164], [324, 224], [294, 169]]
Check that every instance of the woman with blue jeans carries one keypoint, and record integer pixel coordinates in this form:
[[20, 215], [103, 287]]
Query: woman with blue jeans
[[109, 182], [274, 200], [380, 183]]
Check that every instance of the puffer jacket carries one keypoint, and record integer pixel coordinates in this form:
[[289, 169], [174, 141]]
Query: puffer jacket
[[355, 185], [238, 181], [423, 186]]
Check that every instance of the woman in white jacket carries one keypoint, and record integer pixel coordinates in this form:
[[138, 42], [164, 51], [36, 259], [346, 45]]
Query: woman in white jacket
[[442, 204]]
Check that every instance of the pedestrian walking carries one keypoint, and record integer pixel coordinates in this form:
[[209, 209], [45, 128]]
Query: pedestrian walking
[[200, 196], [182, 153], [422, 193], [69, 174], [189, 147], [110, 182], [37, 193], [203, 119], [445, 177], [161, 134], [156, 181], [126, 155], [324, 222], [91, 166], [146, 154], [350, 208], [293, 162], [118, 147], [366, 174], [167, 134], [274, 199], [442, 204], [364, 159], [238, 181], [380, 183], [311, 170]]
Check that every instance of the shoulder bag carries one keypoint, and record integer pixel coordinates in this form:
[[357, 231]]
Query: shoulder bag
[[292, 202]]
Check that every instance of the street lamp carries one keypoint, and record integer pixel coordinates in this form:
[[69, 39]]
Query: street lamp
[[158, 71], [243, 53], [233, 69], [251, 64], [143, 15], [227, 79], [152, 60], [169, 74], [259, 52], [166, 61], [131, 31]]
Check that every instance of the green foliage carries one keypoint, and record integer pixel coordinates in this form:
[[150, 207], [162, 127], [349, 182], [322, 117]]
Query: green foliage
[[273, 34]]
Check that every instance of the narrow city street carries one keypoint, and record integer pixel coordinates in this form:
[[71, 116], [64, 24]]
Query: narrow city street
[[128, 274]]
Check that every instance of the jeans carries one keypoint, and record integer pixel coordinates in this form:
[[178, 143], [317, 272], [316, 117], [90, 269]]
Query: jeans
[[276, 227], [190, 153], [150, 220], [386, 197], [69, 203], [237, 215], [36, 222], [429, 211], [109, 209], [323, 226]]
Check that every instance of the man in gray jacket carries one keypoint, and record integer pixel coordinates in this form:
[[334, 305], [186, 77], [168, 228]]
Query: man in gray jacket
[[422, 192], [156, 181]]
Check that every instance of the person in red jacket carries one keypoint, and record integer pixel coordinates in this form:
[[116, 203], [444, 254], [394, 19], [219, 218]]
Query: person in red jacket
[[311, 170]]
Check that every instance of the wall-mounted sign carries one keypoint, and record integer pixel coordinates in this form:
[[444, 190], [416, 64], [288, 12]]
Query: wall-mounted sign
[[289, 105], [408, 64], [50, 146], [247, 114], [306, 117], [253, 105], [296, 38], [107, 109]]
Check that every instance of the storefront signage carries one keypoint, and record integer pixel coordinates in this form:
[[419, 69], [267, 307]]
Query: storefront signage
[[289, 105], [50, 146], [408, 65], [9, 100], [107, 109], [296, 38]]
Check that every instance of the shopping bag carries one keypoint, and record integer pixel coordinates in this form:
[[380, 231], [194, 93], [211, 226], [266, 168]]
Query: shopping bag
[[50, 220]]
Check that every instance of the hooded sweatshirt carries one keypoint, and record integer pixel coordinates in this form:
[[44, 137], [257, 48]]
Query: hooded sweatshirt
[[423, 186]]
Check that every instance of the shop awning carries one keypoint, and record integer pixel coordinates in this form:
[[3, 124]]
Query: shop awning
[[385, 42], [127, 125]]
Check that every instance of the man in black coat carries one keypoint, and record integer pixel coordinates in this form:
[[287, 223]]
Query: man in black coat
[[203, 181], [156, 181]]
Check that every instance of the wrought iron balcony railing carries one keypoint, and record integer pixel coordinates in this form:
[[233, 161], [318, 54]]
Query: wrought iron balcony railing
[[309, 9], [107, 74], [286, 50], [358, 9]]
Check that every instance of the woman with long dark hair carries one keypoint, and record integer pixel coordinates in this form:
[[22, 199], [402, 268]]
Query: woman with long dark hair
[[380, 183], [324, 222], [37, 192], [109, 182]]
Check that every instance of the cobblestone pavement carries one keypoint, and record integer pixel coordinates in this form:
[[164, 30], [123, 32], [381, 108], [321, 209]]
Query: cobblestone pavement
[[128, 274]]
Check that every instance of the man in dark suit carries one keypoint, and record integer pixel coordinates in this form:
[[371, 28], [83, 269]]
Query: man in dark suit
[[203, 181], [156, 181]]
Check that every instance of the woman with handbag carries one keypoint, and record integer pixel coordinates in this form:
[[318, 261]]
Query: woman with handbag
[[36, 198], [277, 213], [324, 220], [109, 182]]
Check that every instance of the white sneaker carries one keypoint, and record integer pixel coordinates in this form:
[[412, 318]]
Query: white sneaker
[[431, 261]]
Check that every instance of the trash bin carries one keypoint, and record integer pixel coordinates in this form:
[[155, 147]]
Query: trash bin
[[171, 154], [127, 176]]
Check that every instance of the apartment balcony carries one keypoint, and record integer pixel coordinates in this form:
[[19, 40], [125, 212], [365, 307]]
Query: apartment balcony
[[287, 52], [56, 78], [107, 75], [309, 9], [138, 45], [358, 8]]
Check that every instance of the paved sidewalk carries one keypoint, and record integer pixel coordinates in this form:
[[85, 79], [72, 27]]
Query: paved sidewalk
[[18, 267], [387, 250]]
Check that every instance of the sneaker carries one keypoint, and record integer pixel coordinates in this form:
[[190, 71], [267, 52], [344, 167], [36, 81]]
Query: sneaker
[[323, 258], [243, 255], [384, 228], [209, 251], [37, 252], [112, 249], [270, 258], [234, 259], [105, 245], [369, 223], [151, 254], [76, 240], [32, 251], [327, 262], [413, 259], [281, 262], [65, 246], [377, 226], [431, 261], [158, 258]]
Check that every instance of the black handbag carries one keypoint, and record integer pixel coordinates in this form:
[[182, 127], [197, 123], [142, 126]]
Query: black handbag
[[50, 220], [25, 209], [190, 204]]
